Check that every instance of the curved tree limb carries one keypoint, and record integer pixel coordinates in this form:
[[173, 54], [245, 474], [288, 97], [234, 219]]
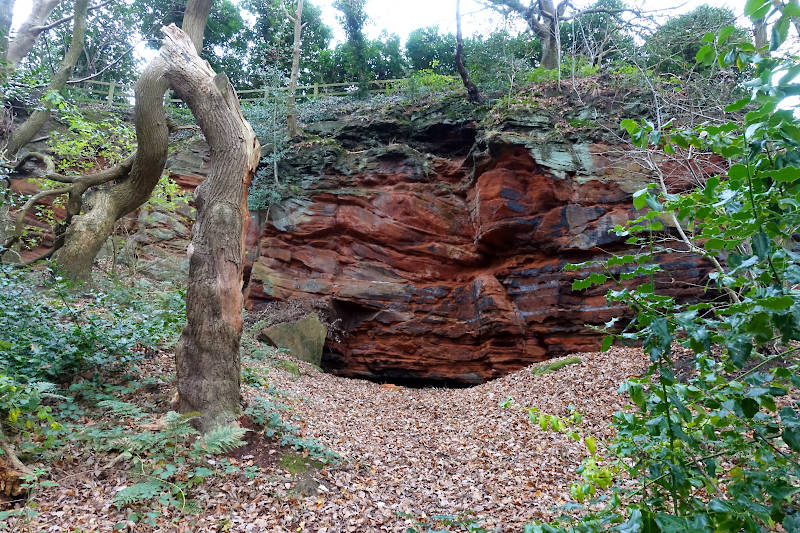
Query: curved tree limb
[[78, 185], [473, 95], [61, 21], [87, 232]]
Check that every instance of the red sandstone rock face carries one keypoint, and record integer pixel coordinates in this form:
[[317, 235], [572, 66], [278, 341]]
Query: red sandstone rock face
[[445, 267], [440, 275]]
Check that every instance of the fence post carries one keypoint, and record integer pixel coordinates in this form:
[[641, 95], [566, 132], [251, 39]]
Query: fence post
[[316, 89], [111, 93]]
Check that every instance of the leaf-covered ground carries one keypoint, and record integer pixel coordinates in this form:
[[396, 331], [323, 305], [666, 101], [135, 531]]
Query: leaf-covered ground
[[409, 454]]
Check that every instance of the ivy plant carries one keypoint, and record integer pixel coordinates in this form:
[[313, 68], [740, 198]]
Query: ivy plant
[[718, 449]]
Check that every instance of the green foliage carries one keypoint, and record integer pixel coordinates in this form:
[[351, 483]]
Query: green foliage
[[546, 368], [598, 36], [22, 405], [88, 144], [223, 35], [426, 82], [674, 46], [268, 118], [426, 48], [384, 58], [167, 196], [106, 51], [265, 412], [167, 461], [269, 40], [717, 450], [352, 17], [48, 335]]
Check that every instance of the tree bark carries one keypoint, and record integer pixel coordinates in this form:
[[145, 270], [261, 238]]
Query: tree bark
[[207, 355], [12, 471], [551, 55], [291, 108], [195, 18], [23, 133], [6, 12], [29, 31], [543, 18], [87, 232], [760, 33], [473, 95]]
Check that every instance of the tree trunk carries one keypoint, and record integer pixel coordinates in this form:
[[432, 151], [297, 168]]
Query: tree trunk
[[207, 355], [760, 33], [195, 18], [23, 133], [473, 95], [87, 232], [291, 114], [29, 31], [6, 11], [551, 57]]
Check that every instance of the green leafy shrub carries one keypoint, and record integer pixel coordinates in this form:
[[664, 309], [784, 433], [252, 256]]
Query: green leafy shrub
[[167, 196], [266, 411], [426, 82], [88, 144], [21, 404], [49, 335], [718, 449]]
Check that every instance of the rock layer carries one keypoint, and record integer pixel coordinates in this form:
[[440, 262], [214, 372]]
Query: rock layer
[[445, 261]]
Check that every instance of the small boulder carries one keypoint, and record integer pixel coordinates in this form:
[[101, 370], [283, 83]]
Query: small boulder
[[304, 338]]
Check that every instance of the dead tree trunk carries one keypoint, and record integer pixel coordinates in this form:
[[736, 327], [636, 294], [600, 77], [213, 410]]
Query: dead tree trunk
[[86, 233], [291, 113], [207, 355], [23, 133], [473, 95]]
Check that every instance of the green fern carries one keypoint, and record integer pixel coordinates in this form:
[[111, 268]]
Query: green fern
[[178, 425], [220, 440], [139, 492], [123, 409]]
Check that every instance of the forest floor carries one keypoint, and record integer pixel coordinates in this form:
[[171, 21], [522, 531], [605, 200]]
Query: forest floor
[[408, 455]]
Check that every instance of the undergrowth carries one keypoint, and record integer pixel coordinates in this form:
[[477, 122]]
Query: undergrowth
[[71, 387]]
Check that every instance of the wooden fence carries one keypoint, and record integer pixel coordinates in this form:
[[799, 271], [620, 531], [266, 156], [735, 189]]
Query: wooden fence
[[116, 95]]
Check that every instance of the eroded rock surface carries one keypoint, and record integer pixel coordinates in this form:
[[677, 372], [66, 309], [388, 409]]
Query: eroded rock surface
[[440, 247]]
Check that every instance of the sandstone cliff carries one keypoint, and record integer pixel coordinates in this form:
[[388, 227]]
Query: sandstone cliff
[[437, 234]]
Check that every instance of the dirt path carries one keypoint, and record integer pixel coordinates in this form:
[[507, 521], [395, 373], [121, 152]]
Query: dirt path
[[415, 451]]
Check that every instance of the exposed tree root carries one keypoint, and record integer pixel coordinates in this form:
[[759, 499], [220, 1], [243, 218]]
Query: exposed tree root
[[12, 471]]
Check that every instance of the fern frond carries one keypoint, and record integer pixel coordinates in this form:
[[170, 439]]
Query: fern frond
[[140, 492], [220, 440], [124, 409], [178, 425]]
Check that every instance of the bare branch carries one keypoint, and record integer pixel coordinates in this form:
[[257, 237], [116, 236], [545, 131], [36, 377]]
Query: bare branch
[[117, 60], [61, 21]]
